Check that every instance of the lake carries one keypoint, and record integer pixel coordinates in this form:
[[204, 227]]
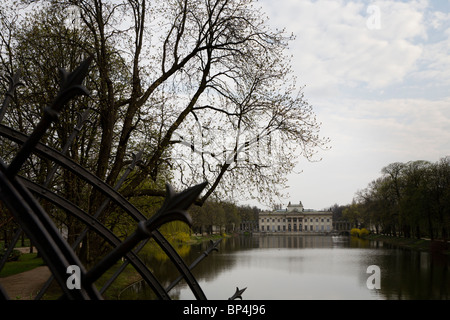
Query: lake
[[305, 267]]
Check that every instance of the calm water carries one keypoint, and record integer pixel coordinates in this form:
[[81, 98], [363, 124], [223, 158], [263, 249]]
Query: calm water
[[306, 267]]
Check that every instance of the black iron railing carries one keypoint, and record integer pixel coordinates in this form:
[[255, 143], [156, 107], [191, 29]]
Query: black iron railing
[[20, 195]]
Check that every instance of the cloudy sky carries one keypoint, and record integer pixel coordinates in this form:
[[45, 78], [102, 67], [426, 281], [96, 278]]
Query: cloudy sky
[[377, 74]]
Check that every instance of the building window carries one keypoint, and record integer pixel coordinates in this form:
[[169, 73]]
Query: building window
[[321, 220], [262, 228], [262, 220], [278, 228]]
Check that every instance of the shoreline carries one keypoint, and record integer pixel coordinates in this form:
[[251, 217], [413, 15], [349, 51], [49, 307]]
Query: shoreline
[[435, 246], [200, 238]]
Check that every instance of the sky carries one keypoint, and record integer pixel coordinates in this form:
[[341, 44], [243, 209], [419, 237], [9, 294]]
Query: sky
[[377, 74]]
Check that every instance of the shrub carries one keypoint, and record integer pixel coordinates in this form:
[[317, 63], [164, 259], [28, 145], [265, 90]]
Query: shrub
[[14, 256], [182, 237], [363, 232], [355, 232]]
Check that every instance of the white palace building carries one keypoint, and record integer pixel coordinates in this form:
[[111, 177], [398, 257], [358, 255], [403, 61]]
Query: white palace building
[[296, 219]]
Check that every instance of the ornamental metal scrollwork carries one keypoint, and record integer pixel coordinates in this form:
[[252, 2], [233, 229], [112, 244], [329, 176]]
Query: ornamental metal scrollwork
[[21, 196]]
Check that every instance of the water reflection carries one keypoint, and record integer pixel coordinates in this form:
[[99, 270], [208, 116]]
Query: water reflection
[[306, 267]]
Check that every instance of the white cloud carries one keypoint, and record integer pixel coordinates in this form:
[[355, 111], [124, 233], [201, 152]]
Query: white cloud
[[334, 46], [434, 64], [382, 95], [410, 128], [366, 136], [438, 19]]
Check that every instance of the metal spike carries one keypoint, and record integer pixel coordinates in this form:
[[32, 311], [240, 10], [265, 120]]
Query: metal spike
[[237, 294], [14, 82]]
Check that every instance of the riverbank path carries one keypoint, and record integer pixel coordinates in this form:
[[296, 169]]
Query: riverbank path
[[25, 285]]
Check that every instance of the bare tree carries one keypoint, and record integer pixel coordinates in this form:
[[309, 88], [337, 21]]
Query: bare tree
[[204, 88]]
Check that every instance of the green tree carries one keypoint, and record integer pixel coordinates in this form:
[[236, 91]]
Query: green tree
[[231, 216], [439, 194], [204, 89], [353, 214], [415, 202], [410, 199]]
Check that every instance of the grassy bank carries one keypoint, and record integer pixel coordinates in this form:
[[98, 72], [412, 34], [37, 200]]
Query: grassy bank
[[214, 237], [26, 262], [179, 240], [411, 243]]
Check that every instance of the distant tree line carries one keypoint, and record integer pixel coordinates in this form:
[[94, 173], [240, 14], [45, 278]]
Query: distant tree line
[[222, 216], [410, 200]]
